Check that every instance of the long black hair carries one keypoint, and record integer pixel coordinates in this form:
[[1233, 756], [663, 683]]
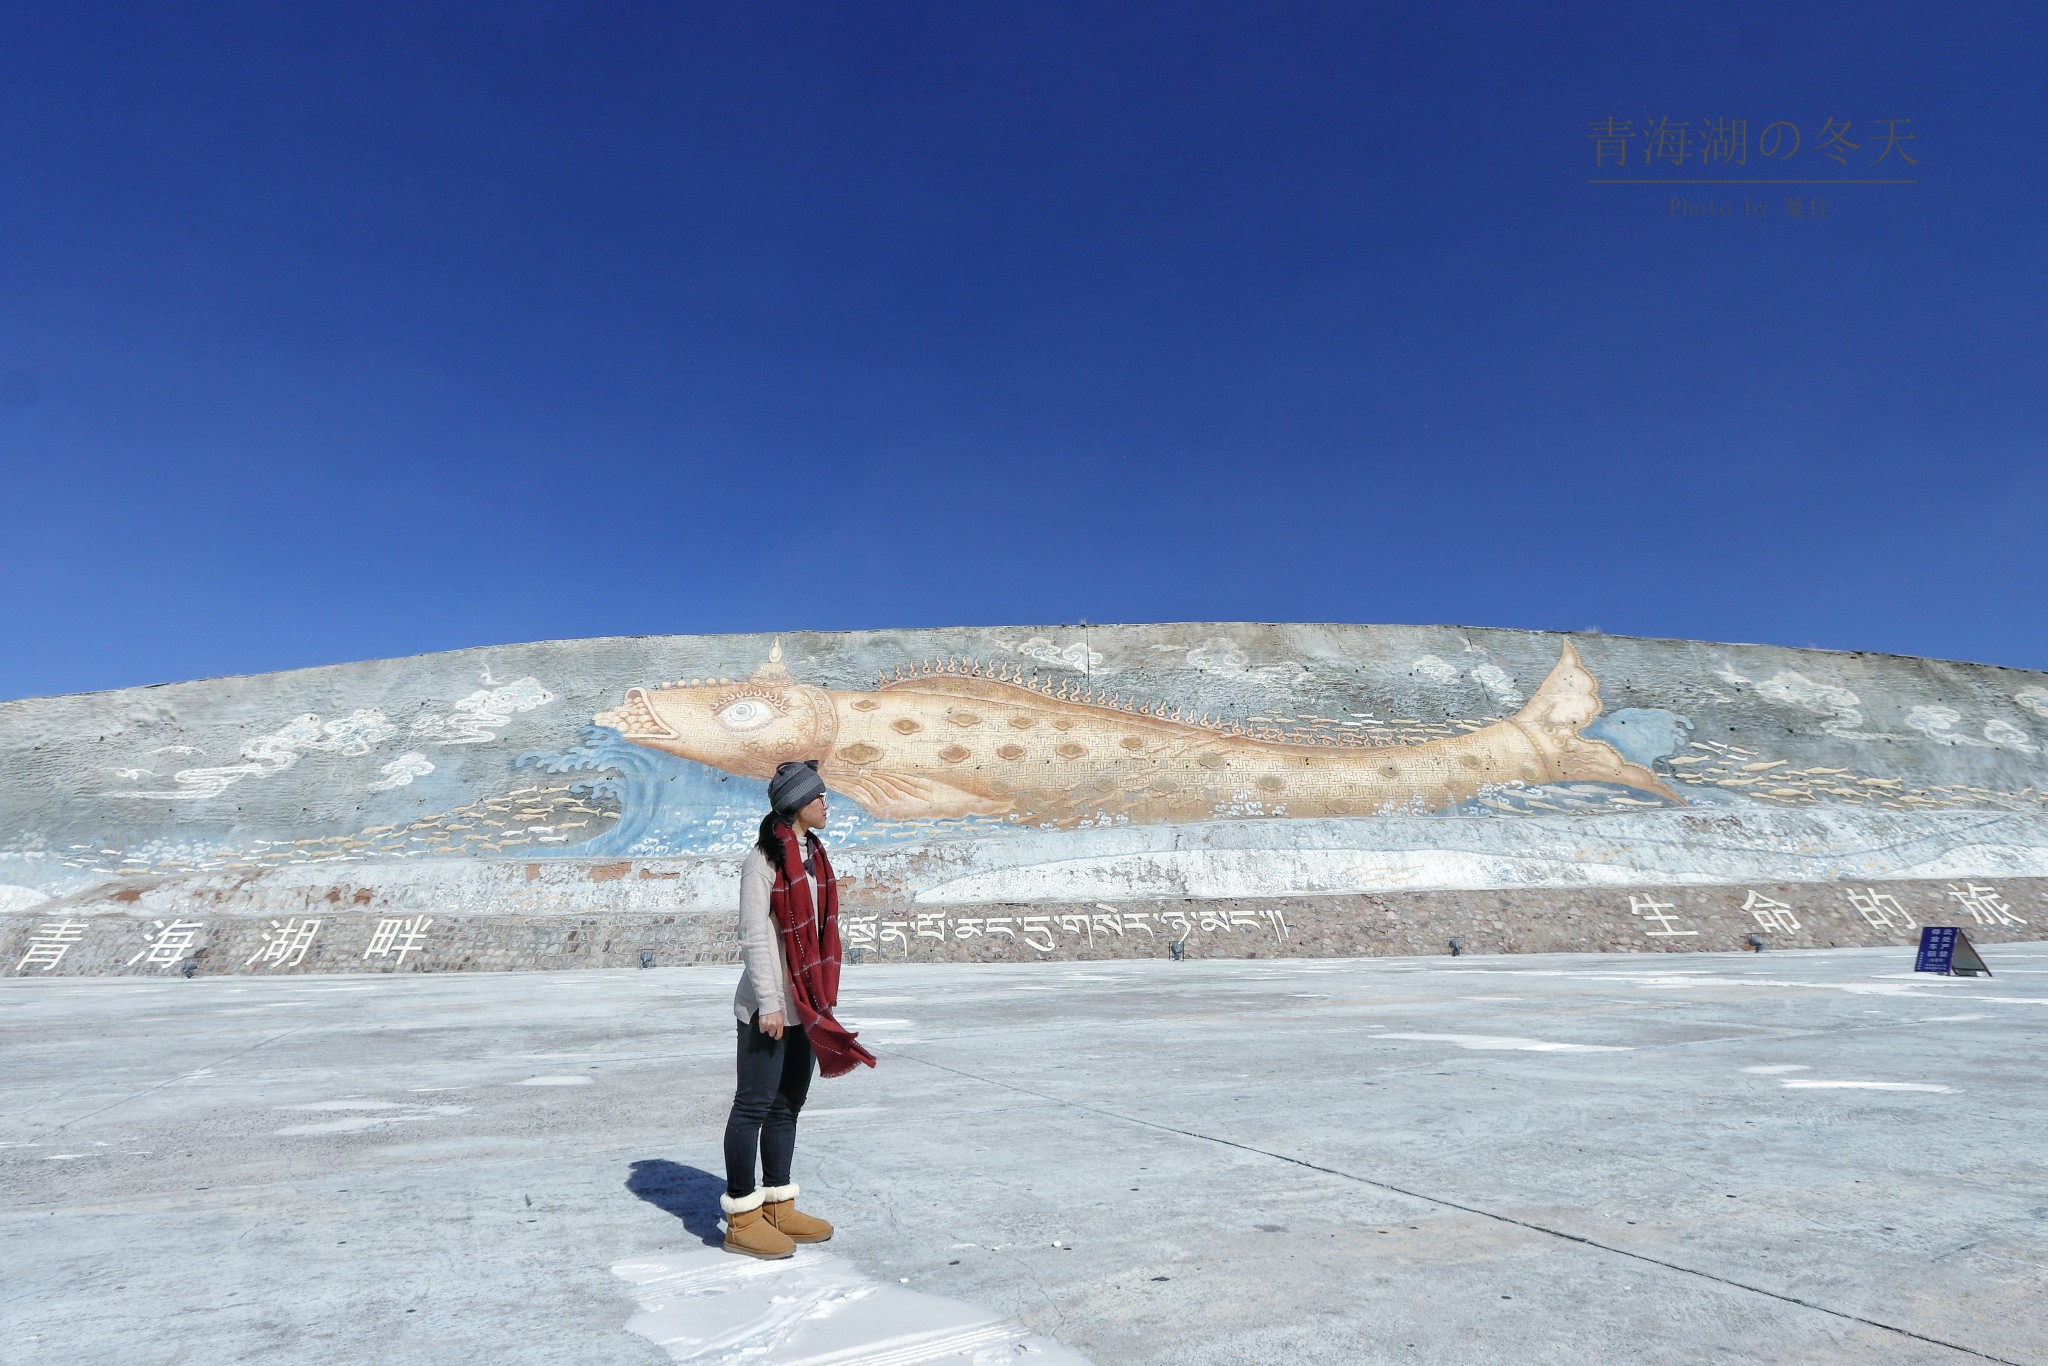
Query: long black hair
[[768, 841]]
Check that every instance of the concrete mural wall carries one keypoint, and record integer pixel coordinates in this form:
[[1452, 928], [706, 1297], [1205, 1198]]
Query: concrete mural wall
[[1022, 767]]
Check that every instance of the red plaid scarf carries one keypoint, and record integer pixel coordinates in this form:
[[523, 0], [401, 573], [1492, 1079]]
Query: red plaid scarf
[[811, 942]]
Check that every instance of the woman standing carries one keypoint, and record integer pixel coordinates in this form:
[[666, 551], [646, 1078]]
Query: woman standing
[[789, 948]]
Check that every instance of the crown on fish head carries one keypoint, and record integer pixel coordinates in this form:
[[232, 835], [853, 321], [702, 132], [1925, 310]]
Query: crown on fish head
[[771, 670]]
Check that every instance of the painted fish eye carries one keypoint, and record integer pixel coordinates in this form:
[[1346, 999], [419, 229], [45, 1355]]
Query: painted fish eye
[[747, 714]]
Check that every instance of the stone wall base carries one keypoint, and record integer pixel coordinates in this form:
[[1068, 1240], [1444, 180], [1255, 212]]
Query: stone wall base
[[95, 940]]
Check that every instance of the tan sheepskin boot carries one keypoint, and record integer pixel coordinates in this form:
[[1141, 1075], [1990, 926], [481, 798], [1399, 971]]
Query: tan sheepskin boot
[[748, 1231], [779, 1205]]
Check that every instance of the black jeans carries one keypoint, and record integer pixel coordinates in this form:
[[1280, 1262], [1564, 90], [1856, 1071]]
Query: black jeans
[[775, 1076]]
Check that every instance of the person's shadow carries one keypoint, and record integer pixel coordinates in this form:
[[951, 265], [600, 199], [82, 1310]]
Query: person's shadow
[[687, 1193]]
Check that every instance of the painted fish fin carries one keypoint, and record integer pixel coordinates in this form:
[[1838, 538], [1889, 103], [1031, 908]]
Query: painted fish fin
[[905, 796], [1567, 700], [961, 685]]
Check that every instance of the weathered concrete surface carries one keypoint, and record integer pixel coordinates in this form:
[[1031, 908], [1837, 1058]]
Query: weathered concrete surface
[[1803, 1156], [1037, 767]]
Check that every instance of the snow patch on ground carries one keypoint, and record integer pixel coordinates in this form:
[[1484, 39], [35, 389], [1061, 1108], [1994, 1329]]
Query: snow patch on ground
[[554, 1081], [1499, 1041], [1671, 981], [708, 1307], [1812, 1084], [359, 1123], [13, 898]]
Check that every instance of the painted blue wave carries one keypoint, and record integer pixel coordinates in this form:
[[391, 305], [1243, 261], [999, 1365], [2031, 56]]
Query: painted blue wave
[[620, 772], [668, 805]]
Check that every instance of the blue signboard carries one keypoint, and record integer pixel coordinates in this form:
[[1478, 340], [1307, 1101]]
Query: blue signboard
[[1937, 948], [1946, 949]]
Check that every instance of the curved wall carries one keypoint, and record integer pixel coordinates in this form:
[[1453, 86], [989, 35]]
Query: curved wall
[[1030, 765]]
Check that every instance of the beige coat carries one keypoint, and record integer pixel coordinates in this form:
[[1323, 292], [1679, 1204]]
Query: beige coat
[[764, 980]]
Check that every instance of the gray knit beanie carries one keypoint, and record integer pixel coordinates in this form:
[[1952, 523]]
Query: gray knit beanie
[[794, 786]]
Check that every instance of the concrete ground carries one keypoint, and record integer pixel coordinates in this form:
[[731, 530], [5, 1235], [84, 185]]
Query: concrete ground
[[1794, 1156]]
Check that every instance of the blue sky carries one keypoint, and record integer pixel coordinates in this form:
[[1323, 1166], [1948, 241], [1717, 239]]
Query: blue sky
[[338, 332]]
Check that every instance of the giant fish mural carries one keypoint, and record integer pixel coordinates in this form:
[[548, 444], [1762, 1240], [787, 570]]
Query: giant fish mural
[[1002, 769], [953, 740]]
